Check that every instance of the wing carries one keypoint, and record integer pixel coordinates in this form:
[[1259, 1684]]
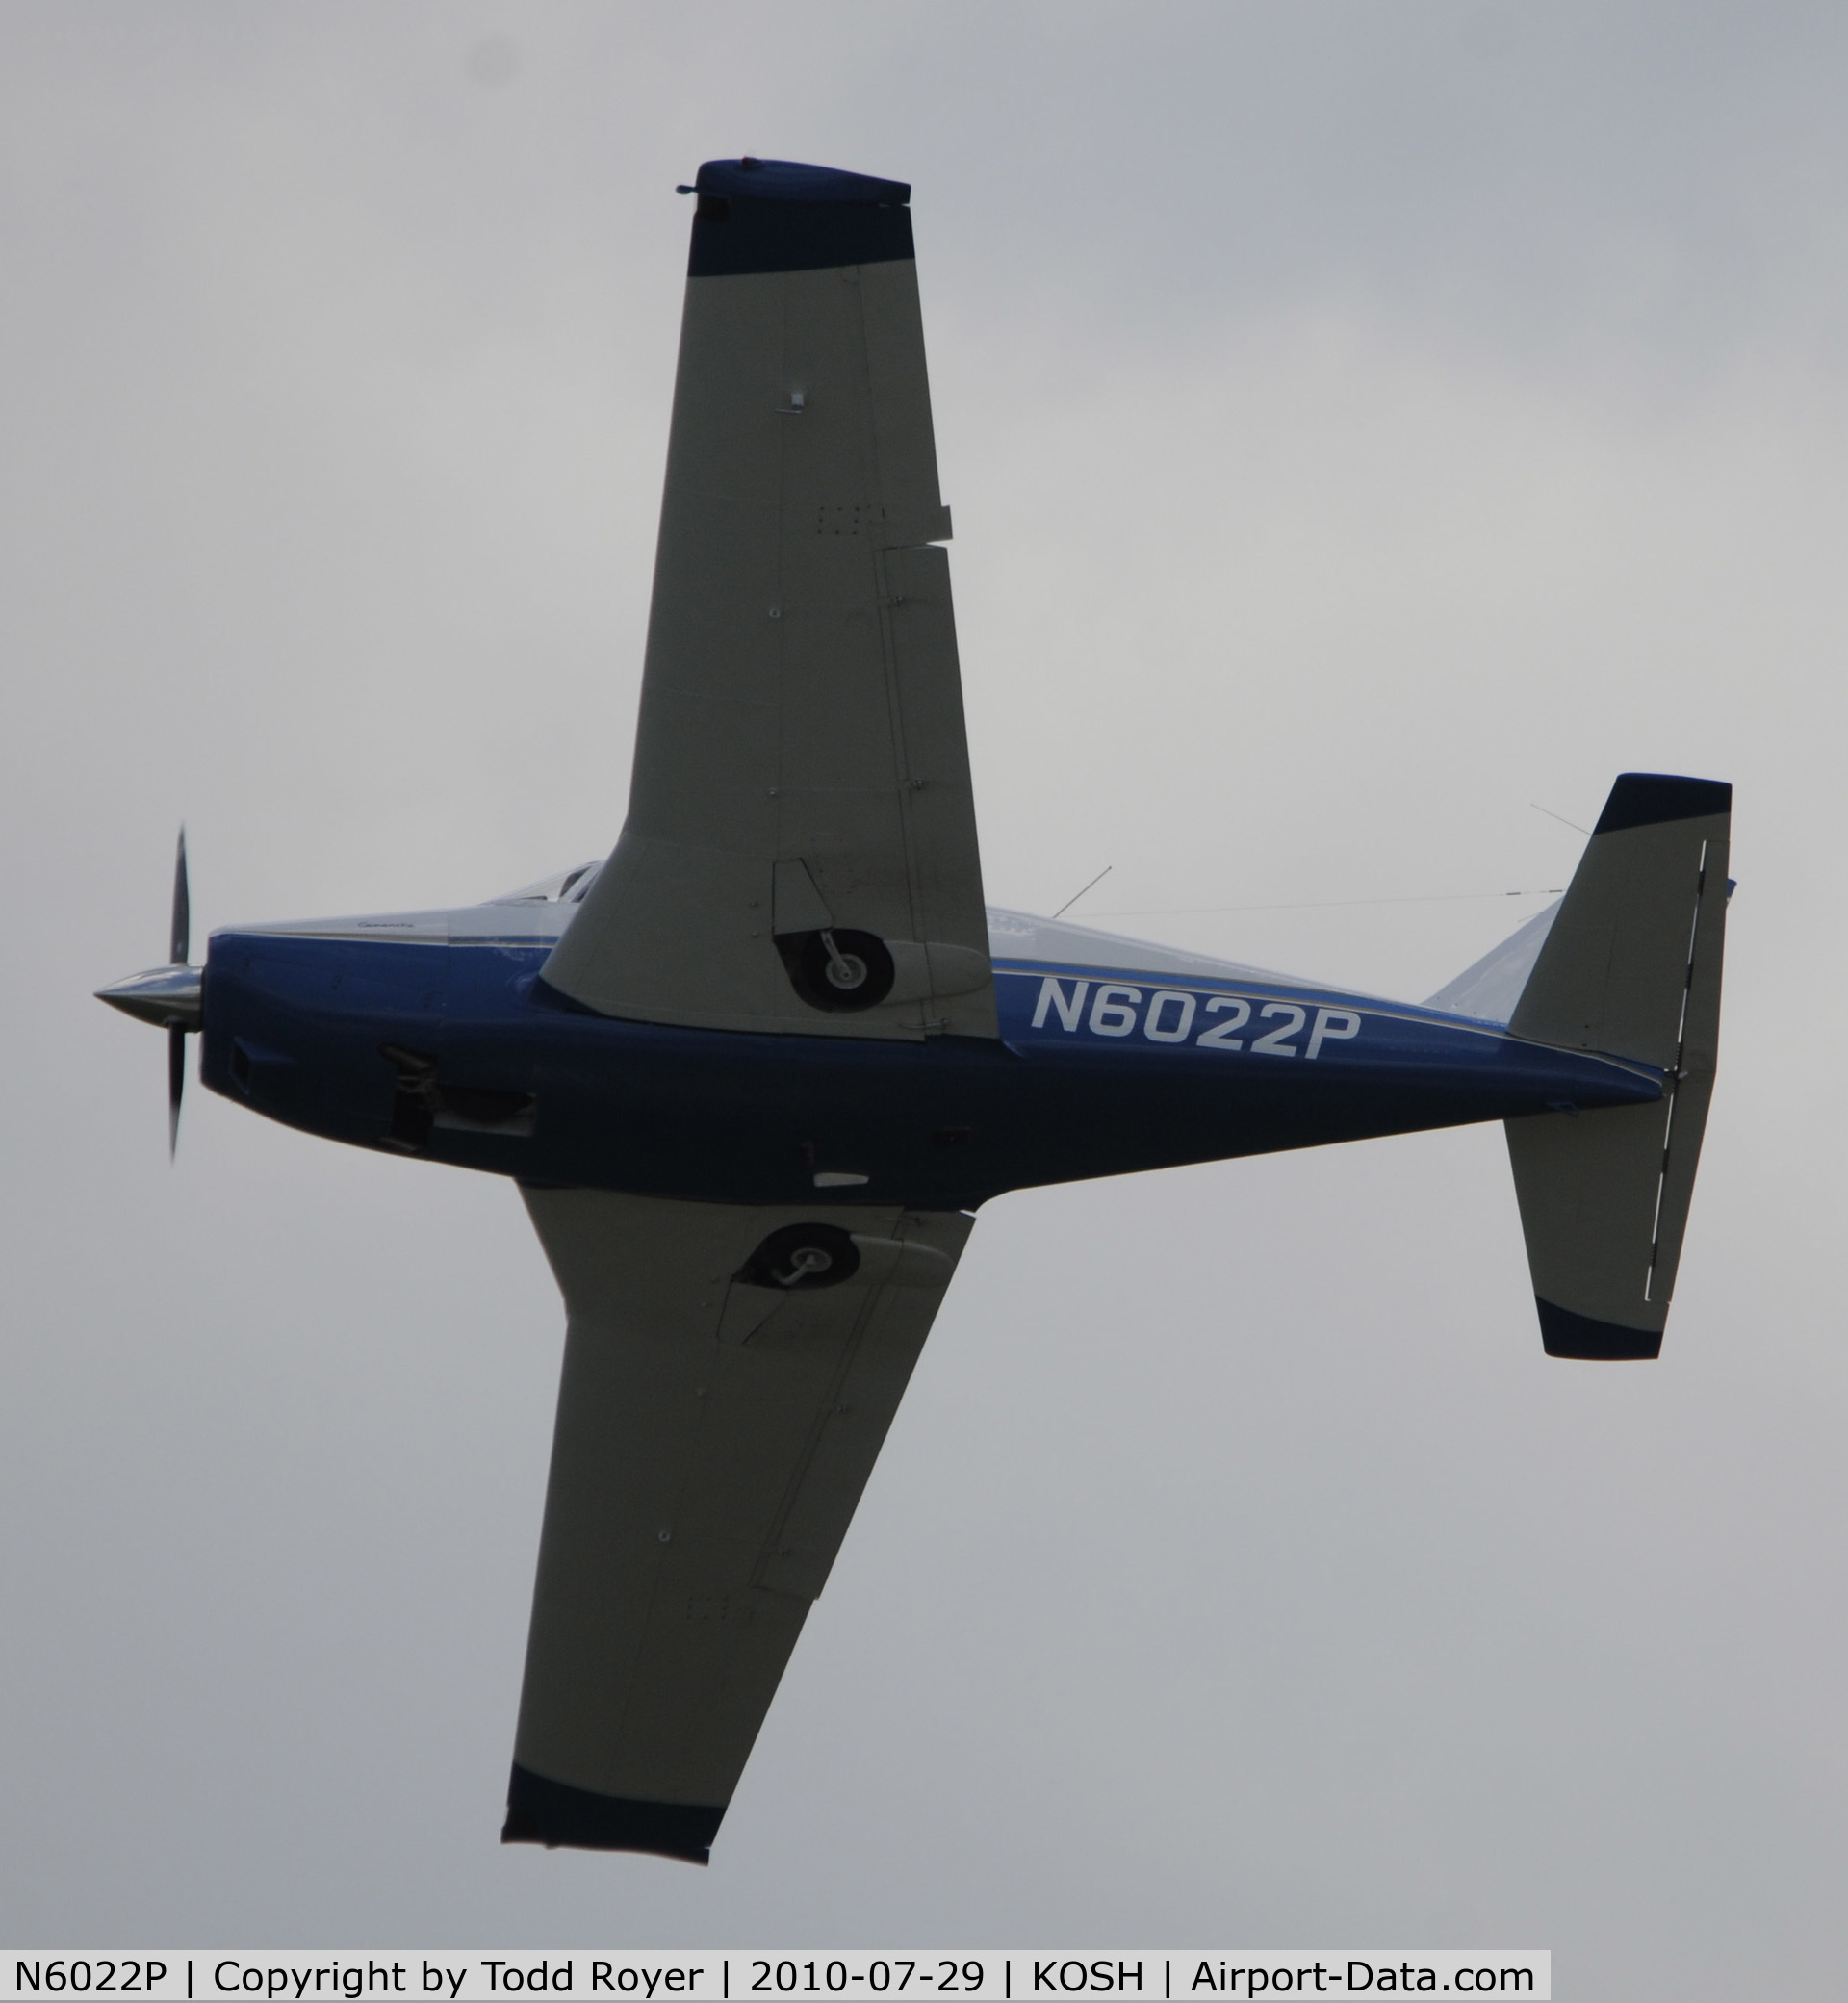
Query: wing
[[800, 852], [729, 1375]]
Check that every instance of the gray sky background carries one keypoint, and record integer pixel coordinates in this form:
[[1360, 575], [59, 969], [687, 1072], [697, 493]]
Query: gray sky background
[[1360, 421]]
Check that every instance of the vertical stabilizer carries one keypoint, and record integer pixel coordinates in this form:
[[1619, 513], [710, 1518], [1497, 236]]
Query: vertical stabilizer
[[1631, 967]]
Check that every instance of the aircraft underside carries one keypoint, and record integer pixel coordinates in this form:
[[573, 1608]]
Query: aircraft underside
[[754, 1070], [464, 1055]]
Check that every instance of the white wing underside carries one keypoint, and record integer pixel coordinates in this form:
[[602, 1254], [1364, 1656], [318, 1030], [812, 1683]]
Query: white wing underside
[[801, 781], [714, 1434], [801, 762]]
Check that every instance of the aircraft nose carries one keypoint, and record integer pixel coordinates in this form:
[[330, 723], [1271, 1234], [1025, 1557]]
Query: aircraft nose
[[169, 997]]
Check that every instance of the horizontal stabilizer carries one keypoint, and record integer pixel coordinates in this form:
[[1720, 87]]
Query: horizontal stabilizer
[[1489, 988], [1631, 967]]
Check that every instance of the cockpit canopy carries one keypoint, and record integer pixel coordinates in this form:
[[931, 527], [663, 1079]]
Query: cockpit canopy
[[568, 886]]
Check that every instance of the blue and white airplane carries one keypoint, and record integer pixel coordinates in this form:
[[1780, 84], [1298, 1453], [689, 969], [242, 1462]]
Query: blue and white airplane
[[755, 1073]]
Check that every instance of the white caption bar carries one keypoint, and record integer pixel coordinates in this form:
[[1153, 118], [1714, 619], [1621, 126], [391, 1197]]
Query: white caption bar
[[190, 1975]]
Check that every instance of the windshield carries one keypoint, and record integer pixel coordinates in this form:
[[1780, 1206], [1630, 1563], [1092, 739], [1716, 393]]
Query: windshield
[[568, 886]]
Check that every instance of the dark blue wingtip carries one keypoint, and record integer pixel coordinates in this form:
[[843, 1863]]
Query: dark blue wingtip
[[1567, 1334], [1641, 799], [784, 216], [795, 181], [563, 1817]]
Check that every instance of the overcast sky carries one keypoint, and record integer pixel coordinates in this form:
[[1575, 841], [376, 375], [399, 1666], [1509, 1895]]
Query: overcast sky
[[1361, 423]]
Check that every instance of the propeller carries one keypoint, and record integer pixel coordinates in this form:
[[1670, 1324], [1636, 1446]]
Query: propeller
[[179, 938], [180, 932], [172, 997]]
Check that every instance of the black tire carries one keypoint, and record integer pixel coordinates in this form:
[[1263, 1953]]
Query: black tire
[[814, 975], [801, 1258]]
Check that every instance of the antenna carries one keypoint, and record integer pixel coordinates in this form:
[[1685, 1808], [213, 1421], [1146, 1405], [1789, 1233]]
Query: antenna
[[1091, 885], [1551, 816]]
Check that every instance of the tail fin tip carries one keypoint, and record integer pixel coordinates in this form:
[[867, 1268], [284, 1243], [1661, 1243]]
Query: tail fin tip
[[1644, 799]]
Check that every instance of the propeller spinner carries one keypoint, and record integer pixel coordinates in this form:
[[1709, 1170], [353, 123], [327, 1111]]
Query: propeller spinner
[[170, 998]]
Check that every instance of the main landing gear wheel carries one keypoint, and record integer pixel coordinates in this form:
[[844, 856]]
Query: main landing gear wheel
[[839, 970], [802, 1257]]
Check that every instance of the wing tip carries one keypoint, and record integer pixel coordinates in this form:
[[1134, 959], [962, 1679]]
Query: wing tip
[[796, 181], [757, 215], [1590, 1341], [564, 1817]]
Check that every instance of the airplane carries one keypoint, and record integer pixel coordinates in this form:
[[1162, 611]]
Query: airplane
[[755, 1073]]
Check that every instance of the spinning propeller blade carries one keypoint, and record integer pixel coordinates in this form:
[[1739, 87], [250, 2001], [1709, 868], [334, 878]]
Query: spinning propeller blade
[[175, 1086], [170, 998], [179, 938], [180, 933]]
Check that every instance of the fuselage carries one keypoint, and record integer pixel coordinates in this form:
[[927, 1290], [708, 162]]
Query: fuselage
[[435, 1035]]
